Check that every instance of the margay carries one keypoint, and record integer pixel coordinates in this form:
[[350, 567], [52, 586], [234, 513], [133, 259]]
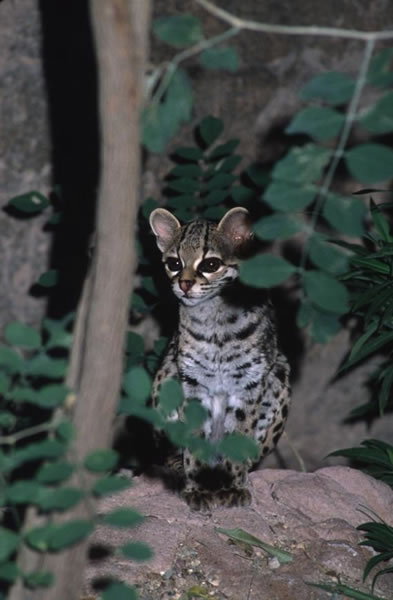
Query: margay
[[224, 352]]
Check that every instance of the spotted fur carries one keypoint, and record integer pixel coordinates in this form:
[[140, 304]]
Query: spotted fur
[[224, 352]]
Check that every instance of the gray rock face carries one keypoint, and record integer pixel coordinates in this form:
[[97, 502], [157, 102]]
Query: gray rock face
[[312, 515], [24, 157]]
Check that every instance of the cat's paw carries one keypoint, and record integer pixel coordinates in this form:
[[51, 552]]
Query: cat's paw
[[233, 496], [199, 500]]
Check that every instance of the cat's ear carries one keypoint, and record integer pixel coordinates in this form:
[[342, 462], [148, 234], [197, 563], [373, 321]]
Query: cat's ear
[[236, 226], [164, 225]]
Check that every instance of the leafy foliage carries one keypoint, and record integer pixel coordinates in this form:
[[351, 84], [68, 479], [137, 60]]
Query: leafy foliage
[[370, 286], [375, 458]]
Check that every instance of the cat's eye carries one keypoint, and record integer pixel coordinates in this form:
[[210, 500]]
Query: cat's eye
[[209, 265], [173, 264]]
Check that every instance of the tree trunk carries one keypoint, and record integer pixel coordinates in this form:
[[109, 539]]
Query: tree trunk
[[121, 36]]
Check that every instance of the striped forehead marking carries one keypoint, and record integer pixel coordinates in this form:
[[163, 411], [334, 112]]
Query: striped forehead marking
[[196, 235]]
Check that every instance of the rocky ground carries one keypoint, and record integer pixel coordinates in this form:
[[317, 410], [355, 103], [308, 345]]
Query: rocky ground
[[313, 516]]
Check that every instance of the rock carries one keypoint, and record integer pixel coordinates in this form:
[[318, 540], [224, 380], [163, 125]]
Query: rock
[[311, 515]]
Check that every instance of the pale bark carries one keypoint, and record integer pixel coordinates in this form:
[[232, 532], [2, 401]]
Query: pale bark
[[121, 35]]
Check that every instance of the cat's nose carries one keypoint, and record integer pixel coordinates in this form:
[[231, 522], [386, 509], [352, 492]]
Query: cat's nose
[[186, 284]]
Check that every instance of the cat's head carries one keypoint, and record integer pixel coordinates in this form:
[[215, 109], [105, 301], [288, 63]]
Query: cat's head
[[201, 257]]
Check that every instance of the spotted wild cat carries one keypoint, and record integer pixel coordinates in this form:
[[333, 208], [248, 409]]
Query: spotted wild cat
[[224, 351]]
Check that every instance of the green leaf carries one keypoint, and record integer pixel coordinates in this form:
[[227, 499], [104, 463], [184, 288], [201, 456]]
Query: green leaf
[[182, 201], [372, 346], [219, 181], [49, 278], [42, 364], [178, 31], [4, 383], [122, 517], [38, 538], [238, 447], [178, 433], [179, 98], [135, 348], [302, 164], [54, 472], [66, 430], [8, 544], [7, 419], [380, 70], [51, 396], [185, 186], [344, 590], [214, 197], [10, 360], [332, 87], [59, 337], [214, 213], [240, 193], [19, 334], [240, 535], [345, 214], [288, 197], [195, 414], [9, 572], [62, 498], [23, 492], [224, 57], [137, 384], [224, 149], [260, 176], [119, 591], [317, 122], [277, 227], [324, 326], [326, 292], [101, 460], [386, 391], [170, 396], [70, 533], [31, 203], [189, 153], [326, 256], [110, 485], [210, 129], [379, 119], [155, 129], [265, 270], [39, 450], [136, 551], [230, 163], [187, 171], [304, 313], [380, 222], [370, 163], [37, 579]]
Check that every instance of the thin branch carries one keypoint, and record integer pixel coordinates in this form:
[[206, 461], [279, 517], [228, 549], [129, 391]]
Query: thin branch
[[188, 53], [224, 15], [339, 151], [13, 438]]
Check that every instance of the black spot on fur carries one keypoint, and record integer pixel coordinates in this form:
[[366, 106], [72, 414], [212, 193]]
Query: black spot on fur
[[240, 414], [247, 331], [232, 318], [280, 373], [252, 385], [276, 437], [284, 411], [189, 380]]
